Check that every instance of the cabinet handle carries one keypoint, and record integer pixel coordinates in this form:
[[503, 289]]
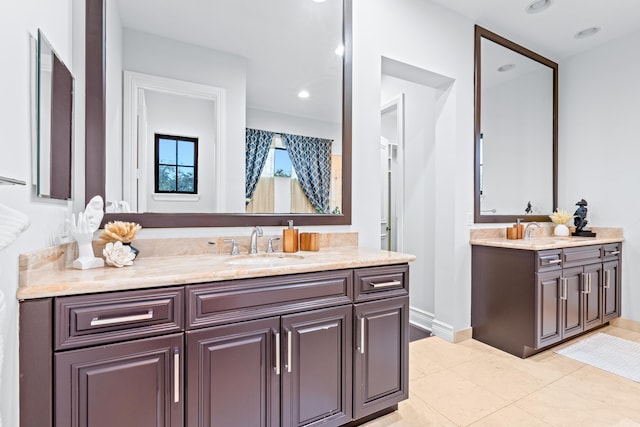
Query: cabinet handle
[[97, 321], [277, 367], [176, 376], [614, 253], [589, 281], [585, 283], [565, 288], [362, 335], [386, 284], [607, 279], [288, 351], [554, 261]]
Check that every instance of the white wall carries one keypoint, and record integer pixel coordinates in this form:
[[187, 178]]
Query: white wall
[[183, 116], [19, 19], [600, 147], [149, 54], [513, 114], [429, 37]]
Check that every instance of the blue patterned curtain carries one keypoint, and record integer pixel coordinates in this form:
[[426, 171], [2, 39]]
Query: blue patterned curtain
[[257, 144], [311, 159]]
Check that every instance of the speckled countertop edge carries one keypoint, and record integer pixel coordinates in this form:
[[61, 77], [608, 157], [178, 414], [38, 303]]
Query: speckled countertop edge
[[190, 269], [543, 239]]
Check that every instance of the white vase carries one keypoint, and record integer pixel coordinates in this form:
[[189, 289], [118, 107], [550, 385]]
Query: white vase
[[561, 230]]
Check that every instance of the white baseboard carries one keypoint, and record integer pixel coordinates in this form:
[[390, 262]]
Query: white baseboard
[[443, 330], [421, 319]]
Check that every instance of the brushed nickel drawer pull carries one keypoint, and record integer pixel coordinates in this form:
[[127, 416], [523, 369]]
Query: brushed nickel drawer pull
[[585, 283], [176, 376], [614, 253], [607, 279], [277, 367], [565, 286], [288, 351], [97, 321], [554, 261], [386, 284], [362, 335]]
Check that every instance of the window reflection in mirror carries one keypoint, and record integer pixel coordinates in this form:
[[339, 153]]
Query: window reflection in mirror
[[516, 131]]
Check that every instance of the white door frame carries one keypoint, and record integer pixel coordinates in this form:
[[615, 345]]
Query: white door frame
[[397, 103], [132, 168]]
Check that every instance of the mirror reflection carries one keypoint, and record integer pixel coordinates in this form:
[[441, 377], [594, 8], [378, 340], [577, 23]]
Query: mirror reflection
[[54, 123], [515, 153], [224, 74]]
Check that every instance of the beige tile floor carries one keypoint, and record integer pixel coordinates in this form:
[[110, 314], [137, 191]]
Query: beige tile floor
[[473, 384]]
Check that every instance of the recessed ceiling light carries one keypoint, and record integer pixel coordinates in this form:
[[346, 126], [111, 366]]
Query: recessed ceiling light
[[303, 94], [506, 67], [319, 1], [538, 6], [340, 50], [587, 32]]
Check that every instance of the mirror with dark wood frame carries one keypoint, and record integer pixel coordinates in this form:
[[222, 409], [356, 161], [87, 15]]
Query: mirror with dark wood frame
[[95, 140], [516, 131]]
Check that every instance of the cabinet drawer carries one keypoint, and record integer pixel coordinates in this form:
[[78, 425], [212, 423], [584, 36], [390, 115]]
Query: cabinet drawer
[[101, 318], [582, 255], [549, 260], [381, 282], [611, 251], [233, 301]]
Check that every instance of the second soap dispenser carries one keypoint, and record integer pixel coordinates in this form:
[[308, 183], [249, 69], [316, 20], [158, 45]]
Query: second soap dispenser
[[290, 238]]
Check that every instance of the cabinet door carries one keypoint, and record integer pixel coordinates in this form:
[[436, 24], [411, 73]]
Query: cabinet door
[[572, 316], [549, 291], [316, 372], [592, 291], [136, 383], [381, 361], [611, 290], [232, 375]]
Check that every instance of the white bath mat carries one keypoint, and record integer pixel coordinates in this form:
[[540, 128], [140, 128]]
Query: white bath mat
[[612, 354]]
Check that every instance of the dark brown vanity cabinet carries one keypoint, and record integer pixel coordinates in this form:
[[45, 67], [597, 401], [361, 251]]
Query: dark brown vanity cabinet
[[524, 301], [380, 367], [101, 380], [323, 348], [292, 370]]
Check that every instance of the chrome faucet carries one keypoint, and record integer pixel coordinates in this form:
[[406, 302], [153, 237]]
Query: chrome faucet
[[257, 232], [527, 231]]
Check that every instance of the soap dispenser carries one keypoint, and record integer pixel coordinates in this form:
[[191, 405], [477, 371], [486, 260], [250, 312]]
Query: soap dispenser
[[290, 238]]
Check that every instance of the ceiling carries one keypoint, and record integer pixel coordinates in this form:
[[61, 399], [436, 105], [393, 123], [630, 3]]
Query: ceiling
[[289, 45], [551, 32]]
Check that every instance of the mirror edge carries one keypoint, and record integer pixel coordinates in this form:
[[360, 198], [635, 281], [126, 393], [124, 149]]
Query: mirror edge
[[481, 32], [95, 140]]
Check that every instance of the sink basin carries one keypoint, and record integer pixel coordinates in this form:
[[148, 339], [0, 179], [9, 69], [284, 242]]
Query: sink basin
[[265, 259]]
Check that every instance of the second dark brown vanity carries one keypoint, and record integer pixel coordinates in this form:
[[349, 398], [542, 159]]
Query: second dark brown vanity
[[525, 300]]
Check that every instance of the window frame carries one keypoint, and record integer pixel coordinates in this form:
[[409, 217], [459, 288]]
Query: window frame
[[156, 163]]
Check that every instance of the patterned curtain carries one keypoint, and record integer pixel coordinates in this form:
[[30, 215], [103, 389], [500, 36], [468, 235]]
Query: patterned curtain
[[311, 159], [257, 144]]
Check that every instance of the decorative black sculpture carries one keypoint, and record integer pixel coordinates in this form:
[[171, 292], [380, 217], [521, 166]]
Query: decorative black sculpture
[[529, 209], [580, 220]]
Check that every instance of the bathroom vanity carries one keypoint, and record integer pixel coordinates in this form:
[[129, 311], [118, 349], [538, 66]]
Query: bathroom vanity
[[528, 295], [314, 339]]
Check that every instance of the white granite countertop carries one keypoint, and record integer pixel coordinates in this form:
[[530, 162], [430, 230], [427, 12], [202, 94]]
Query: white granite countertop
[[185, 269]]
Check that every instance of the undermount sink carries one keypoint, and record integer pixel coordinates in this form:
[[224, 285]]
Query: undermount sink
[[265, 259]]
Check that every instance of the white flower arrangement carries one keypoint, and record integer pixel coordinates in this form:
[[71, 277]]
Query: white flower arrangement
[[118, 255], [561, 216]]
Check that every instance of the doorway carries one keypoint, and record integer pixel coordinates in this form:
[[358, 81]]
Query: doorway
[[392, 174]]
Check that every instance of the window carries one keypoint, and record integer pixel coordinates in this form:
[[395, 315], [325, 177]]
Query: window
[[282, 163], [176, 164]]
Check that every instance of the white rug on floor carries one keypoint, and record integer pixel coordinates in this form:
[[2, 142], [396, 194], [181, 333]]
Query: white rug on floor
[[607, 352]]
